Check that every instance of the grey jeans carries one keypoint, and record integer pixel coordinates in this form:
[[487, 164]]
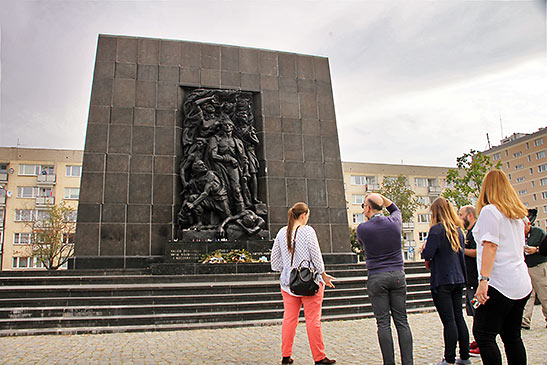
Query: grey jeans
[[387, 293]]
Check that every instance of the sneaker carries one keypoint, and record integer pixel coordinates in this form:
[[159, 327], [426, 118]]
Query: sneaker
[[463, 362], [473, 345], [475, 352], [326, 360]]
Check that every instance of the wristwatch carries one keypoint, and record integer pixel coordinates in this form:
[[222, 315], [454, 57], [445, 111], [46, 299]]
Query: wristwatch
[[482, 277]]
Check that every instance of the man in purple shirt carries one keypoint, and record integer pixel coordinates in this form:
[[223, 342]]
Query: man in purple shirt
[[380, 237]]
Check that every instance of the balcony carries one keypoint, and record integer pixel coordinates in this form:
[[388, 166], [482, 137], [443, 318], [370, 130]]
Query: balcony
[[2, 200], [44, 201], [408, 226], [3, 178], [45, 180], [435, 190], [372, 187]]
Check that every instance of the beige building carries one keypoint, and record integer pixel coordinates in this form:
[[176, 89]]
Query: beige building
[[426, 181], [30, 180], [524, 160]]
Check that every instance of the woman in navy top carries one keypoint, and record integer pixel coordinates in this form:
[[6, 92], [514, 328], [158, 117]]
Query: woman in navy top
[[444, 249]]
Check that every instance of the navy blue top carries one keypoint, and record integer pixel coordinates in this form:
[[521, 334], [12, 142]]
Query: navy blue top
[[447, 266], [380, 237]]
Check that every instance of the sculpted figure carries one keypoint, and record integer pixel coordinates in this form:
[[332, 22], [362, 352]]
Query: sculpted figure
[[195, 152], [243, 225], [228, 159], [209, 196]]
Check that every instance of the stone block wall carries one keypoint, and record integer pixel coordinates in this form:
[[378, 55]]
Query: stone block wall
[[130, 188]]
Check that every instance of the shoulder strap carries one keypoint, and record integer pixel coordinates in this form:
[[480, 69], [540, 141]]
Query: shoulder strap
[[294, 243]]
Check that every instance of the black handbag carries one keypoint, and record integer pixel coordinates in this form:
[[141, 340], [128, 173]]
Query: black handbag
[[303, 280]]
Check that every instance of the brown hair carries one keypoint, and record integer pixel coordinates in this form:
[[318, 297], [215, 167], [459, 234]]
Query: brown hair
[[296, 211], [497, 190], [443, 212]]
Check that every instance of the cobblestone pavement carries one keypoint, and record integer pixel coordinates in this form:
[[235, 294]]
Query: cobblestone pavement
[[350, 342]]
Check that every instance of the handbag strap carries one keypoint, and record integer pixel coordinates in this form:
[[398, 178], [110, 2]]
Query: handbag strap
[[294, 243]]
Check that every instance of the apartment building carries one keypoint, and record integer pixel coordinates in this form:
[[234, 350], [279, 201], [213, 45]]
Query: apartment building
[[427, 182], [30, 181], [524, 159]]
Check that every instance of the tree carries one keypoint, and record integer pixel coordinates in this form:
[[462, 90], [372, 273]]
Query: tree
[[398, 190], [52, 236], [466, 179]]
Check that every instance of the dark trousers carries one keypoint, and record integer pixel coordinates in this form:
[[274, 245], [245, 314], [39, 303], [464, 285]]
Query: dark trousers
[[387, 293], [448, 301], [503, 316]]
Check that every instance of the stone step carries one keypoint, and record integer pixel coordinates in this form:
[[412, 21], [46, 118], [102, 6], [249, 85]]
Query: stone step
[[152, 309], [98, 320], [335, 270], [199, 288], [173, 299], [183, 326]]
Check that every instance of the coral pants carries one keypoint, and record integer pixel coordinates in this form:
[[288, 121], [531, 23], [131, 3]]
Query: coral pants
[[312, 313]]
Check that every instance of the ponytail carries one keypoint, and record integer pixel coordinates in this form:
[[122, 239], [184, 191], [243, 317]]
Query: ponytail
[[295, 212]]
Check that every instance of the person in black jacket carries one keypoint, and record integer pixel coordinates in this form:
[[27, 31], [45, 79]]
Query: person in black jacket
[[445, 249]]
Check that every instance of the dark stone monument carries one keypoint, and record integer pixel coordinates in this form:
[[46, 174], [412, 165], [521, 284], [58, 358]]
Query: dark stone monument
[[170, 120]]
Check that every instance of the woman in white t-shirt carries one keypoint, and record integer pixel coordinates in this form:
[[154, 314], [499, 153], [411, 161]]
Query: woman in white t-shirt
[[295, 243], [504, 283]]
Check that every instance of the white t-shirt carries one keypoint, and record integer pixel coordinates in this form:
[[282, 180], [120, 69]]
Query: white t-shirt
[[509, 274]]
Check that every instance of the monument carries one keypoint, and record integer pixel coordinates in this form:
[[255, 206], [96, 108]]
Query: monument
[[204, 144]]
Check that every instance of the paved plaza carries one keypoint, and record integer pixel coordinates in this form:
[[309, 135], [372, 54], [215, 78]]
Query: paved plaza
[[350, 342]]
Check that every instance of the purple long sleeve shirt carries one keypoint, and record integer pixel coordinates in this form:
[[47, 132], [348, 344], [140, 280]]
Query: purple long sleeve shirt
[[380, 237]]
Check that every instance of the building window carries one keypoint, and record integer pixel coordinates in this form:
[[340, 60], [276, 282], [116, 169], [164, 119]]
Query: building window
[[68, 238], [21, 238], [29, 170], [527, 145], [358, 218], [496, 156], [25, 215], [508, 165], [72, 193], [531, 171], [424, 218], [535, 197], [421, 182], [27, 192], [545, 209], [522, 192], [543, 181], [73, 171], [542, 168], [422, 236], [538, 142], [424, 200], [544, 195], [540, 155], [358, 199], [519, 166], [358, 180], [529, 158], [533, 183], [509, 175], [506, 153], [20, 262], [517, 154], [521, 179]]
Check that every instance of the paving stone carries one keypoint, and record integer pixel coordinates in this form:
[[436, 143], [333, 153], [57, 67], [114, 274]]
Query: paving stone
[[349, 342]]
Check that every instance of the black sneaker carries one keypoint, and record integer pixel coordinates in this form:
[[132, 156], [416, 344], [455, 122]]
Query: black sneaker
[[326, 360]]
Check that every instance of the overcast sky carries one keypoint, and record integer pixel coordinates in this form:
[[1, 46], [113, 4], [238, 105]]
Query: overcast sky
[[418, 82]]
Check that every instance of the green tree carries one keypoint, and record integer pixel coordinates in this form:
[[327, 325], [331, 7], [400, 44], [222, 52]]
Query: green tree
[[398, 190], [53, 235], [466, 179]]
